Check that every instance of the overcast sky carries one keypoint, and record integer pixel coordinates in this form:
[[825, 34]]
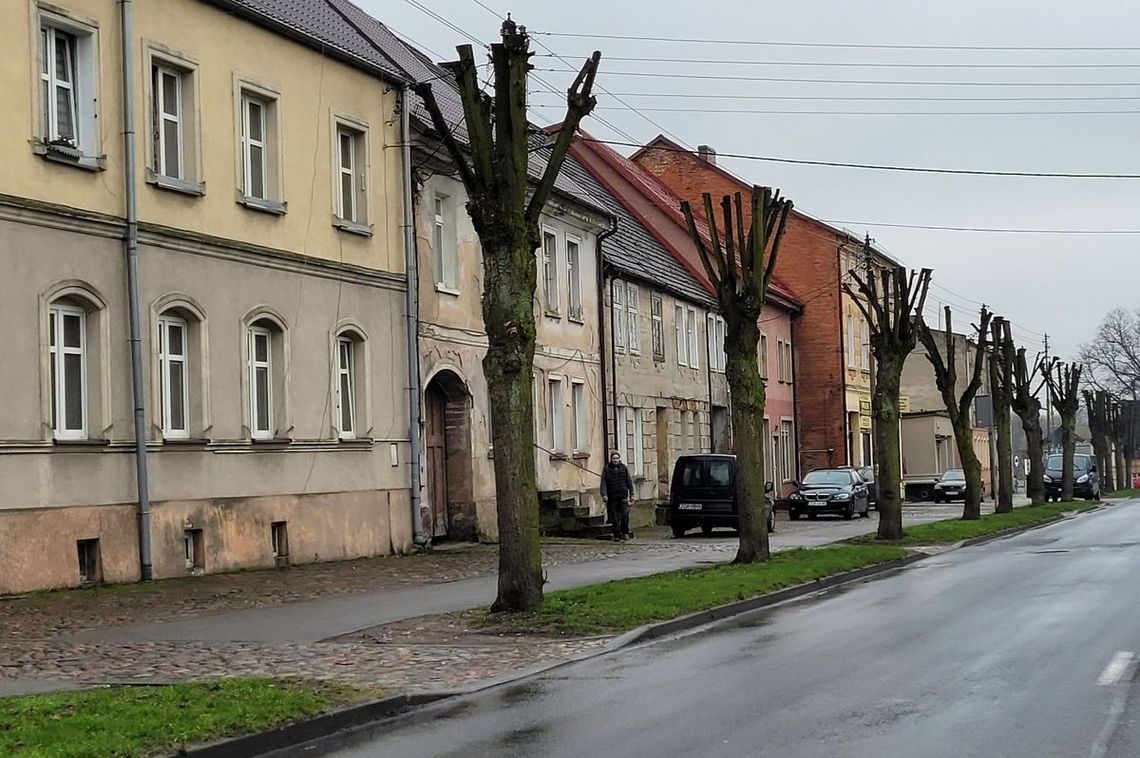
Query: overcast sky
[[1070, 281]]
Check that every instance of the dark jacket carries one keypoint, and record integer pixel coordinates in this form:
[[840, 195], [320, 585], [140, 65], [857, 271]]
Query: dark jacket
[[616, 482]]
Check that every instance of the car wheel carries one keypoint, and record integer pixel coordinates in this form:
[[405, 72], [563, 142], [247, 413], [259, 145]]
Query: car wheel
[[849, 513], [812, 516], [706, 530], [794, 515], [678, 530]]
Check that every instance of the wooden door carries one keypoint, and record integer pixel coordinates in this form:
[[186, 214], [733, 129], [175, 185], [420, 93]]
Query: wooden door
[[436, 404]]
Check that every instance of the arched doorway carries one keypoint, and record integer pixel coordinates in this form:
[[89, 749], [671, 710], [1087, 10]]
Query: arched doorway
[[447, 437]]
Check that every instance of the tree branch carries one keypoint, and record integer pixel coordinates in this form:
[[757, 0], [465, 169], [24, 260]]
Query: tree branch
[[466, 175], [702, 250]]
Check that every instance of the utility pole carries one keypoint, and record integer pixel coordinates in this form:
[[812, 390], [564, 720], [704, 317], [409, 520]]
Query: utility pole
[[1048, 407]]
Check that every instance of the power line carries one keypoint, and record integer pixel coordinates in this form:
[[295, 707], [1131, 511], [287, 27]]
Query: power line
[[884, 98], [892, 82], [879, 167], [848, 45], [870, 64], [455, 28], [984, 229], [848, 112]]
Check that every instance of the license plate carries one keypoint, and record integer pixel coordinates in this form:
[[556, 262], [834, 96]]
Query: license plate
[[690, 506]]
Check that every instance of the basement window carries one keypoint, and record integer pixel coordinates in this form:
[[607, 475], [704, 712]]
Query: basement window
[[90, 570], [279, 536], [194, 550]]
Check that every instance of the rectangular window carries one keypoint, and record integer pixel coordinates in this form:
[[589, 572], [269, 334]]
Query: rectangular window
[[573, 279], [59, 89], [67, 347], [631, 441], [444, 242], [194, 550], [865, 331], [657, 315], [787, 443], [715, 331], [682, 343], [578, 434], [346, 388], [279, 539], [769, 460], [253, 146], [692, 337], [851, 352], [633, 321], [172, 367], [90, 570], [554, 421], [260, 382], [789, 364], [168, 121], [550, 271], [352, 181], [763, 356], [617, 296]]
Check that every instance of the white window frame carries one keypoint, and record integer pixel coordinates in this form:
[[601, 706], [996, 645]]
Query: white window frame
[[346, 374], [851, 341], [657, 331], [49, 75], [788, 443], [764, 371], [617, 308], [692, 337], [864, 344], [248, 142], [578, 432], [165, 359], [346, 211], [557, 408], [679, 332], [160, 116], [632, 441], [574, 278], [56, 353], [445, 244], [550, 298], [253, 365], [633, 317], [714, 335]]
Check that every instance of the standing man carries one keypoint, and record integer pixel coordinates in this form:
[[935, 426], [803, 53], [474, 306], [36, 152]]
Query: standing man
[[617, 489]]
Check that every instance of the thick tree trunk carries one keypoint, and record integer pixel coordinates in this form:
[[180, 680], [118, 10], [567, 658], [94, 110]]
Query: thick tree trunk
[[885, 406], [971, 467], [1068, 452], [1003, 503], [1124, 469], [508, 312], [1035, 481], [1102, 451], [747, 399]]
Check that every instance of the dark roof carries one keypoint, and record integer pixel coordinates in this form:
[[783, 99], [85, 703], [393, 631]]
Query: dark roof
[[325, 25], [632, 249]]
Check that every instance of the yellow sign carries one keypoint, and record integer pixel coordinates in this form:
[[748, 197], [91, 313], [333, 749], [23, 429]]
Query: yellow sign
[[865, 423], [865, 407], [904, 404]]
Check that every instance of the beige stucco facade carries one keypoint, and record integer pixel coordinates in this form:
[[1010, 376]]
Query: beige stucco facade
[[221, 500]]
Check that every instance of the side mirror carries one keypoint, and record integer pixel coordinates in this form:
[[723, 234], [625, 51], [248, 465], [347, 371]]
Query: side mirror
[[795, 483], [769, 486]]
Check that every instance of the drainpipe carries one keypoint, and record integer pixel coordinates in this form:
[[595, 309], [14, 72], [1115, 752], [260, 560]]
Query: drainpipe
[[131, 244], [412, 306], [708, 376], [602, 341]]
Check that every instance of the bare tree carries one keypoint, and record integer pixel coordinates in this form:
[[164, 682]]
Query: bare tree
[[1113, 357], [1003, 359], [892, 307], [959, 406], [740, 273], [496, 178], [1102, 413], [1064, 382], [1027, 406], [1122, 428]]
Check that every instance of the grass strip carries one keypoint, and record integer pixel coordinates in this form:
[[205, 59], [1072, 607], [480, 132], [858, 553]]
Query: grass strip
[[626, 604], [950, 531], [131, 722], [1124, 493]]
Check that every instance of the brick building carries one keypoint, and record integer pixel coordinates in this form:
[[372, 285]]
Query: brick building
[[832, 356]]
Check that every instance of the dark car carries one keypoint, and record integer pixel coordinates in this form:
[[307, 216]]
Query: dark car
[[952, 486], [1086, 478], [837, 490], [703, 493], [867, 474]]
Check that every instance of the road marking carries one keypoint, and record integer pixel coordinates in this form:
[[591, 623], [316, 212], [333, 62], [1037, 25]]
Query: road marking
[[1115, 668]]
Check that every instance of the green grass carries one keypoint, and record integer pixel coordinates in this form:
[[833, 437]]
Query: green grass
[[629, 603], [130, 722], [955, 530], [1124, 493]]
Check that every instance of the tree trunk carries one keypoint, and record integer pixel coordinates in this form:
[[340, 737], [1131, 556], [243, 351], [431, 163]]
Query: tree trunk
[[508, 312], [1003, 503], [1124, 469], [1069, 452], [747, 400], [1035, 481], [1102, 452], [885, 407], [971, 467]]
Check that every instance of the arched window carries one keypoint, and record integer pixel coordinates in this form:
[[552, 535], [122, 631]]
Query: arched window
[[349, 406], [179, 407], [265, 376], [74, 380]]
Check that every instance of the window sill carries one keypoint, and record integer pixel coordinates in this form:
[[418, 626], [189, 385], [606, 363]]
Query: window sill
[[443, 288], [581, 455], [260, 204], [352, 227], [69, 158], [186, 441], [559, 457], [271, 441], [89, 442], [553, 314], [183, 186], [577, 316], [355, 441]]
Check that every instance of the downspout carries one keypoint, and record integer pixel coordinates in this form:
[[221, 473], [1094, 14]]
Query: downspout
[[412, 306], [602, 340], [131, 245], [708, 375]]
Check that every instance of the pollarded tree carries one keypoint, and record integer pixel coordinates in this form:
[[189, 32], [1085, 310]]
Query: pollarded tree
[[1064, 382], [1027, 406], [1003, 357], [892, 306], [495, 174], [959, 406], [740, 272], [1102, 412]]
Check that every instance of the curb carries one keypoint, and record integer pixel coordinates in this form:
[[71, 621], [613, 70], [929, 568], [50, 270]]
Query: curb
[[341, 727]]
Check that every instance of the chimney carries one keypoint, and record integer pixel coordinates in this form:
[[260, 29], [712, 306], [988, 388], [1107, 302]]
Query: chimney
[[707, 154]]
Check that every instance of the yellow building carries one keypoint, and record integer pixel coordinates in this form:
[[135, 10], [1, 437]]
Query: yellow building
[[268, 310]]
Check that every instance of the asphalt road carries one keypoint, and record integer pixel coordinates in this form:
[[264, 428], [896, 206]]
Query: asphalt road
[[1021, 647]]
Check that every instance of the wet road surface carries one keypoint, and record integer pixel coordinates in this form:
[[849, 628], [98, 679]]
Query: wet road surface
[[1022, 647]]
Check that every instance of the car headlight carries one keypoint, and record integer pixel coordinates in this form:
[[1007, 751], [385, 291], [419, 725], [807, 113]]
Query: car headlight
[[1048, 479], [795, 496], [1084, 478], [842, 496]]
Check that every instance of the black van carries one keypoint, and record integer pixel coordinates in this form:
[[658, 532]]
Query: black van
[[703, 494], [1086, 478]]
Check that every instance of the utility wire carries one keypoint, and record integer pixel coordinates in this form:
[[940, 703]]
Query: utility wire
[[882, 98], [984, 229], [897, 82], [857, 64], [848, 112]]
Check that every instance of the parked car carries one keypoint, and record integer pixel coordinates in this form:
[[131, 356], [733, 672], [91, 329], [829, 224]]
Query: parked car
[[703, 493], [867, 474], [836, 490], [1086, 478], [1136, 482], [952, 486]]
